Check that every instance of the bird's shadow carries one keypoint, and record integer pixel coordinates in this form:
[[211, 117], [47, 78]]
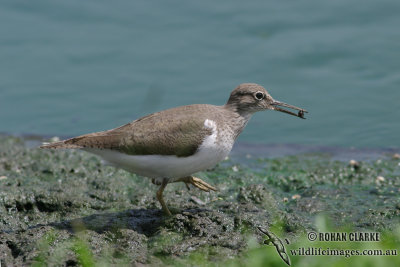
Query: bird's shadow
[[142, 221]]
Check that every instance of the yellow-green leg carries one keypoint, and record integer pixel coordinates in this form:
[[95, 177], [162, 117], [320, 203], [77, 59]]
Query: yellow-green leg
[[161, 199]]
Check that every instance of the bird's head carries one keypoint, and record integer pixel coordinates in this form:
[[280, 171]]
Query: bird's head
[[248, 98]]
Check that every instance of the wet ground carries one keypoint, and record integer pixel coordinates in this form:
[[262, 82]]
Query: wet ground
[[58, 206]]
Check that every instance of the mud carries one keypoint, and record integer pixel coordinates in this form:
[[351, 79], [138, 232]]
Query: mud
[[56, 206]]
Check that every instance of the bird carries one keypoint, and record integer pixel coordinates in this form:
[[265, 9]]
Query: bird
[[171, 145]]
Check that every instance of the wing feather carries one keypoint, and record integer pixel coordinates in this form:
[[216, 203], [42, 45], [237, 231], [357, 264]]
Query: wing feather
[[170, 132]]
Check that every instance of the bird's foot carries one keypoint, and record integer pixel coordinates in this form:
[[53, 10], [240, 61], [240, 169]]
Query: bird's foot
[[197, 182]]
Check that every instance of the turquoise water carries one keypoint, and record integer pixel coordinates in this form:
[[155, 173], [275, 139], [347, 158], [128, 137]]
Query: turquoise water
[[72, 67]]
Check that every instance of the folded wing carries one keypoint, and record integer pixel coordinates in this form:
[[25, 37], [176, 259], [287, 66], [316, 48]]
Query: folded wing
[[170, 132]]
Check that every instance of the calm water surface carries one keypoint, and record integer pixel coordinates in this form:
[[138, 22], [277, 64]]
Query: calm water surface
[[72, 67]]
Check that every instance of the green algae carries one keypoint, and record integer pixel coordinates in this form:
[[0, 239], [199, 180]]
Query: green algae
[[45, 194]]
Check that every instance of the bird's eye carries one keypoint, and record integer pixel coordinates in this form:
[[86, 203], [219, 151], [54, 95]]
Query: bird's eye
[[259, 95]]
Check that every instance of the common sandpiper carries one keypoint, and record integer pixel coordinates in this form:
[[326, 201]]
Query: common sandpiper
[[171, 145]]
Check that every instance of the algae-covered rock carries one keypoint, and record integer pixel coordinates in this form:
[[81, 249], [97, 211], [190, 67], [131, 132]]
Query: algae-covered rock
[[66, 208]]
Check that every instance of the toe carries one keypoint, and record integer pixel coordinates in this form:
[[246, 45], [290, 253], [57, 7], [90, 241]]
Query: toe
[[202, 185]]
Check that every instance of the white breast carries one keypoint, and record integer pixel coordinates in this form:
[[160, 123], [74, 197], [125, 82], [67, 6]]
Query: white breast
[[159, 166]]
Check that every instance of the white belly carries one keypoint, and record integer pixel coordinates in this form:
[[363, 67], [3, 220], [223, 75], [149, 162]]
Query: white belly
[[158, 166], [172, 167]]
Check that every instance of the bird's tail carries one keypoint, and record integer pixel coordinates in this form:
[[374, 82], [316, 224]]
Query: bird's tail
[[60, 144]]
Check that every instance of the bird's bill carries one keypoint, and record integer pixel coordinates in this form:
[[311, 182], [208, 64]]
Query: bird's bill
[[277, 105]]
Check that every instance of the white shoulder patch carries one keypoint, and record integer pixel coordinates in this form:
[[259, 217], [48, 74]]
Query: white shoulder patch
[[210, 140], [210, 124]]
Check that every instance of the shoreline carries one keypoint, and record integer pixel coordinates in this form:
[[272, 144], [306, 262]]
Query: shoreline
[[245, 150]]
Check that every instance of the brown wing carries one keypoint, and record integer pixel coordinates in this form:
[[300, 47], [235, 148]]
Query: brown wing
[[171, 132]]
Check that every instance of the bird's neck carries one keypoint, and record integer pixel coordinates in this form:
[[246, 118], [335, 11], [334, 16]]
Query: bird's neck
[[238, 118]]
